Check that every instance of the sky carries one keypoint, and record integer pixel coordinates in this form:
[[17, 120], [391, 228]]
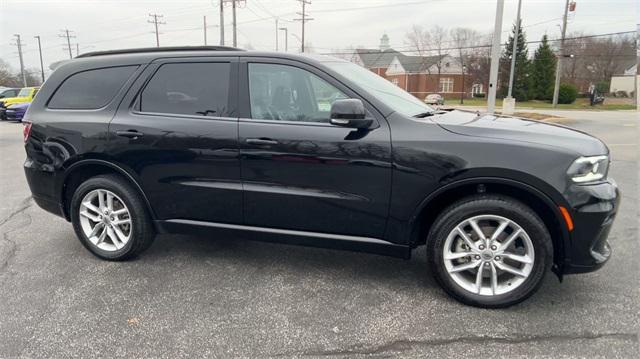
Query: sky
[[113, 24]]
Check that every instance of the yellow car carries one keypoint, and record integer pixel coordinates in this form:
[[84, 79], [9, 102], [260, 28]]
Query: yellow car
[[26, 94]]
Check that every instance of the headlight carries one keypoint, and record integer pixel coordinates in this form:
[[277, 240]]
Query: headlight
[[589, 169]]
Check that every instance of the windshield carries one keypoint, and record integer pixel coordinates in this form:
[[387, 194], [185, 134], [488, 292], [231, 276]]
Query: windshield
[[393, 96], [24, 92]]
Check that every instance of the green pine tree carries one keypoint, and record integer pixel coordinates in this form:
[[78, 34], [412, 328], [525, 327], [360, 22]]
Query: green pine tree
[[543, 71], [521, 79]]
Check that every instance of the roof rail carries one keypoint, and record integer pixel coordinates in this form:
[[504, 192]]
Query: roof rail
[[159, 49]]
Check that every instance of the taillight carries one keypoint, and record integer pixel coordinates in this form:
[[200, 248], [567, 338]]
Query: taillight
[[26, 130]]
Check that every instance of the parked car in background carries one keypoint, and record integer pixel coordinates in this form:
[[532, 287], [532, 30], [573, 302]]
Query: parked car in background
[[434, 99], [9, 92], [26, 94], [16, 112], [283, 147]]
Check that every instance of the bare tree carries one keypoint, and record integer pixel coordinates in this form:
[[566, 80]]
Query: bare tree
[[463, 39], [594, 60], [429, 42], [8, 77]]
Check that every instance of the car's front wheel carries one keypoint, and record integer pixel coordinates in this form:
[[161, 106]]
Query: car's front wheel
[[489, 251], [110, 218]]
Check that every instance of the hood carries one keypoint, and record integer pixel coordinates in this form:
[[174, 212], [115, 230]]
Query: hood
[[21, 106], [519, 129]]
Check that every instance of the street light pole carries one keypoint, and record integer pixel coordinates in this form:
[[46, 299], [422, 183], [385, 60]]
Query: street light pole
[[495, 58], [204, 29], [221, 22], [286, 38], [40, 51], [464, 69], [235, 35]]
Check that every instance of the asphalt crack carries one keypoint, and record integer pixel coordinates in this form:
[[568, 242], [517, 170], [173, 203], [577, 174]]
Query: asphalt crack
[[11, 244], [404, 345]]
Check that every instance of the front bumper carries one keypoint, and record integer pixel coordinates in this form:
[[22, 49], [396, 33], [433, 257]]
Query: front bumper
[[594, 208]]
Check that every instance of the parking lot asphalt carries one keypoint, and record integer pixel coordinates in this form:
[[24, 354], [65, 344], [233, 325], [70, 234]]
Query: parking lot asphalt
[[222, 297]]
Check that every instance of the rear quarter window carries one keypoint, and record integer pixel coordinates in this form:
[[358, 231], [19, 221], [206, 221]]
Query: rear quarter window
[[91, 89]]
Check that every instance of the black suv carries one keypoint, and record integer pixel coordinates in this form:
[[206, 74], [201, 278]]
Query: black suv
[[317, 151]]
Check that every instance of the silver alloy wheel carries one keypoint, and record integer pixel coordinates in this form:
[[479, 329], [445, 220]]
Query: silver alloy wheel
[[488, 255], [105, 220]]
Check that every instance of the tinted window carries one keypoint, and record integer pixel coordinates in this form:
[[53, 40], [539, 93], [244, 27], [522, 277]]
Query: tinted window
[[91, 89], [8, 93], [287, 93], [200, 89]]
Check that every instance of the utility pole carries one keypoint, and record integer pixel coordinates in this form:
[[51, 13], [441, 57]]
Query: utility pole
[[514, 50], [204, 28], [556, 87], [221, 22], [19, 45], [77, 49], [155, 23], [509, 103], [495, 58], [235, 35], [286, 38], [303, 19], [40, 51], [68, 36], [276, 34]]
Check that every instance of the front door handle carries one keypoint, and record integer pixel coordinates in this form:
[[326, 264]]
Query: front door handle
[[261, 141], [130, 134]]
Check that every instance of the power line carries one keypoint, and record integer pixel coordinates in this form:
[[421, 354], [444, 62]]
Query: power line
[[155, 23]]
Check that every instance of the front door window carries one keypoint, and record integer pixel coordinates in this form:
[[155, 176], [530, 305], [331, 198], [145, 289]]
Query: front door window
[[287, 93]]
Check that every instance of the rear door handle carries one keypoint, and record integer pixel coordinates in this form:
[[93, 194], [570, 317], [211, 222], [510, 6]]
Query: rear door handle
[[261, 141], [130, 134]]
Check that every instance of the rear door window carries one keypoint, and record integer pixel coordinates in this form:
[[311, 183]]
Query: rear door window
[[189, 88], [92, 89]]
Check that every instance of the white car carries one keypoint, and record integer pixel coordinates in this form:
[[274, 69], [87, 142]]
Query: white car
[[434, 99]]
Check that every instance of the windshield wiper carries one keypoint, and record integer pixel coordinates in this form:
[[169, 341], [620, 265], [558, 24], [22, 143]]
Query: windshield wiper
[[425, 114]]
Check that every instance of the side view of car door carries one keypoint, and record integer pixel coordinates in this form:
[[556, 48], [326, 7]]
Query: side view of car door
[[177, 130], [299, 171]]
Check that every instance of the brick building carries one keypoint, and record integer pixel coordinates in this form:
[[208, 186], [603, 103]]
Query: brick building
[[417, 75]]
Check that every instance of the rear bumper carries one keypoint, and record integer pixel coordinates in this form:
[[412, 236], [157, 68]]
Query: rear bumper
[[595, 208], [42, 183]]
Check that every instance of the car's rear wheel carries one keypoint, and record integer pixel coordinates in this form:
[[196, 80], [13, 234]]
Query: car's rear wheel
[[110, 218], [489, 251]]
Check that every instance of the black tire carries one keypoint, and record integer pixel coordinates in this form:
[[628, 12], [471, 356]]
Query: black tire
[[498, 205], [142, 229]]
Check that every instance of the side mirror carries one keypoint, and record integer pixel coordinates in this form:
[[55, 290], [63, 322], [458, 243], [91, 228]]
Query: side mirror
[[349, 113]]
